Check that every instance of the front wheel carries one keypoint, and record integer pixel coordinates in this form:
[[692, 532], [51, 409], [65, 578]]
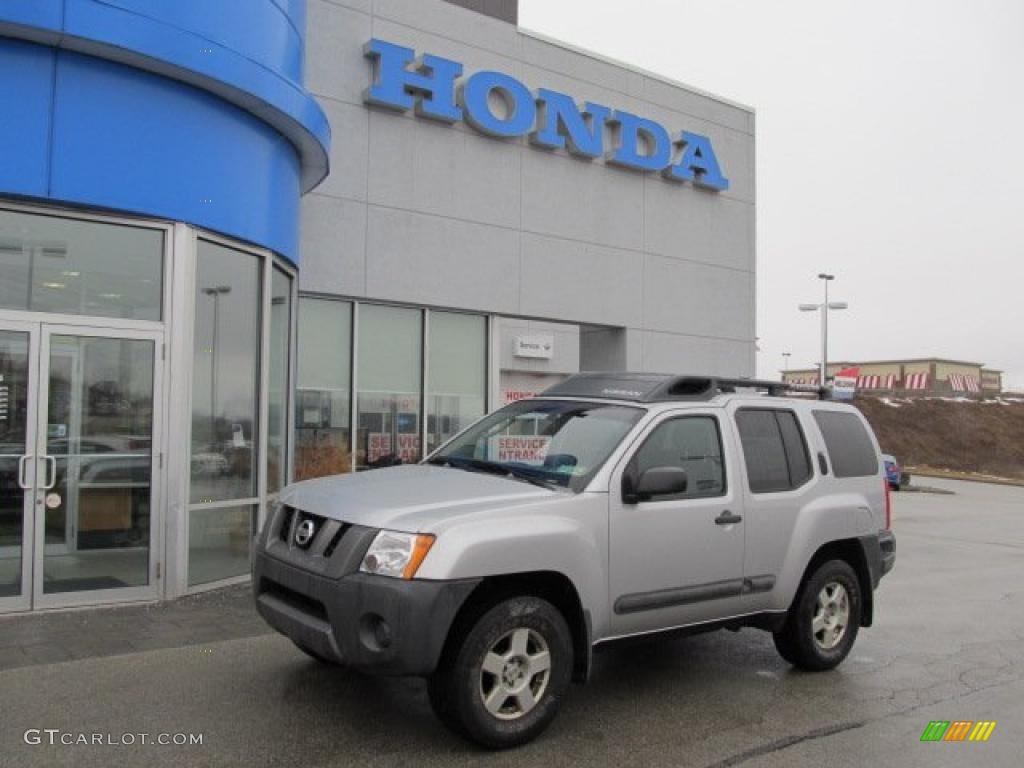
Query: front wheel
[[500, 684], [823, 620]]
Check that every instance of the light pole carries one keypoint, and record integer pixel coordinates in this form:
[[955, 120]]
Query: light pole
[[785, 363], [824, 308], [216, 292]]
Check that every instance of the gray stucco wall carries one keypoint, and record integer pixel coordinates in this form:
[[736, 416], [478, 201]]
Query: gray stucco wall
[[420, 212]]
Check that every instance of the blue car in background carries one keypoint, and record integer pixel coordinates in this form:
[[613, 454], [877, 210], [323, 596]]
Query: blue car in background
[[894, 472]]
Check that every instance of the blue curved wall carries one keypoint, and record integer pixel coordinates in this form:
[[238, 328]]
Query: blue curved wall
[[193, 111]]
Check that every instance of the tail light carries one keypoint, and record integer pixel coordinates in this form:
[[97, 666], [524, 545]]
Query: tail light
[[888, 504]]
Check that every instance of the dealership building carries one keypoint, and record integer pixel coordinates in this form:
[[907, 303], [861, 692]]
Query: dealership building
[[318, 241]]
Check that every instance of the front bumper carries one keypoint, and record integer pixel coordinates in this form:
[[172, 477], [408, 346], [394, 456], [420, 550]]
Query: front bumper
[[372, 623]]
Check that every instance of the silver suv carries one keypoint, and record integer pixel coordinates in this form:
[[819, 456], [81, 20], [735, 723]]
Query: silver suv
[[614, 505]]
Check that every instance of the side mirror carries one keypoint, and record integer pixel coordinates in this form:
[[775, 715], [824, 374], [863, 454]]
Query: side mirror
[[656, 481]]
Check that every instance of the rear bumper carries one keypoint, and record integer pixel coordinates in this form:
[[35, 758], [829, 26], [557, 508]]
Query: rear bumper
[[887, 548], [880, 553], [372, 623]]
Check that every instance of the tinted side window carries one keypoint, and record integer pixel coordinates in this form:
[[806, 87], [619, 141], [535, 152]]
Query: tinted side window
[[763, 451], [692, 443], [796, 448], [774, 449], [848, 443]]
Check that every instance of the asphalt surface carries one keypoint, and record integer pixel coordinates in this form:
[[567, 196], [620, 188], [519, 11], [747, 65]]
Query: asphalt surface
[[948, 645]]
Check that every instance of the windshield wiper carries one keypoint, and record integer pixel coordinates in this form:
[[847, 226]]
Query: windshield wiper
[[493, 467]]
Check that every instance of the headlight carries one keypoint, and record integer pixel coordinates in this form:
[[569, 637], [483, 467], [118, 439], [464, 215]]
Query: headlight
[[398, 555]]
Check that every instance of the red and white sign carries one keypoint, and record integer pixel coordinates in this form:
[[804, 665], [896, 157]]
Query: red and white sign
[[379, 446], [523, 448], [515, 395]]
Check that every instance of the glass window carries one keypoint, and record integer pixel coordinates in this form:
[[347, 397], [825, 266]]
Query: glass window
[[50, 264], [225, 381], [796, 448], [692, 444], [763, 451], [848, 443], [390, 376], [323, 401], [280, 345], [14, 423], [561, 443], [218, 543], [100, 433], [457, 380]]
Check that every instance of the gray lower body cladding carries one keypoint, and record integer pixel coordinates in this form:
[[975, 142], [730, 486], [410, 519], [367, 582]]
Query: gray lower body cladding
[[372, 623]]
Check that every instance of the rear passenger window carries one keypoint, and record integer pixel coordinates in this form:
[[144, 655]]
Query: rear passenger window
[[691, 443], [849, 445], [774, 450]]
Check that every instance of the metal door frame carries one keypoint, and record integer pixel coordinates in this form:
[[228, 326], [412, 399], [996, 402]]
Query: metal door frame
[[23, 601], [149, 591]]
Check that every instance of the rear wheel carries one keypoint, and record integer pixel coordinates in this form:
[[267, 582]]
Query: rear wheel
[[501, 682], [823, 621]]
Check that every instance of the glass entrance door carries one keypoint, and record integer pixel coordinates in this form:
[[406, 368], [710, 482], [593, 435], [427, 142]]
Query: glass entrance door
[[18, 367], [79, 466], [96, 489]]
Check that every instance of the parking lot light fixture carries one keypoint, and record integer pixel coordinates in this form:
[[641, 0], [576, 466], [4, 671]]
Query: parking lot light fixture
[[824, 308]]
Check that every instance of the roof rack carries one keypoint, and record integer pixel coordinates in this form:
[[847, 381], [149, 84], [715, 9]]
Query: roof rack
[[658, 387]]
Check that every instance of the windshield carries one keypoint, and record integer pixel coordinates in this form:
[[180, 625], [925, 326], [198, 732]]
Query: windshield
[[558, 443]]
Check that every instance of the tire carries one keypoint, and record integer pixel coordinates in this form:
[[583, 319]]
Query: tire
[[315, 656], [823, 620], [502, 679]]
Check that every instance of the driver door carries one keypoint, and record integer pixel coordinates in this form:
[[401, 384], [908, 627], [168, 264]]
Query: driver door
[[677, 560]]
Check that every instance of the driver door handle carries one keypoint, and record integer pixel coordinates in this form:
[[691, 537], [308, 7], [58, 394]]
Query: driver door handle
[[22, 463], [728, 518]]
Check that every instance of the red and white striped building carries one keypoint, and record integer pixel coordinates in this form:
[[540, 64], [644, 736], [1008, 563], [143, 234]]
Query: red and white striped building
[[935, 376]]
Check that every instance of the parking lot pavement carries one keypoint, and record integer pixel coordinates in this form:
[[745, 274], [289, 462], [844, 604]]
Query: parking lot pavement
[[948, 645]]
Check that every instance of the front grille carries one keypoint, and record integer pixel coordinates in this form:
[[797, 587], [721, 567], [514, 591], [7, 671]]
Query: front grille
[[336, 540], [337, 548], [326, 537]]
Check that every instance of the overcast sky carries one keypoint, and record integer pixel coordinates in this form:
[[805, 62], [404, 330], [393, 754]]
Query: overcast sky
[[890, 152]]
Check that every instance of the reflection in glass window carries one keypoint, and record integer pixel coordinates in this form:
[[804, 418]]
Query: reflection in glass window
[[390, 375], [560, 442], [323, 400], [100, 434], [50, 264], [457, 374], [280, 344], [691, 443], [225, 379], [218, 543]]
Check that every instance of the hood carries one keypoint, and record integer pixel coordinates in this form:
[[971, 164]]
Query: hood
[[409, 498]]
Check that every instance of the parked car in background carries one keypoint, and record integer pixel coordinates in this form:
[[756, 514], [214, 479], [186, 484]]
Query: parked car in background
[[894, 472]]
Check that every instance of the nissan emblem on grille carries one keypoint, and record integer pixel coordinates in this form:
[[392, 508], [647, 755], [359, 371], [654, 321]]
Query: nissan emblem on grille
[[304, 533]]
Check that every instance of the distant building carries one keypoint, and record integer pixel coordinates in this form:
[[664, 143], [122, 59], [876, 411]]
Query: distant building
[[932, 375]]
